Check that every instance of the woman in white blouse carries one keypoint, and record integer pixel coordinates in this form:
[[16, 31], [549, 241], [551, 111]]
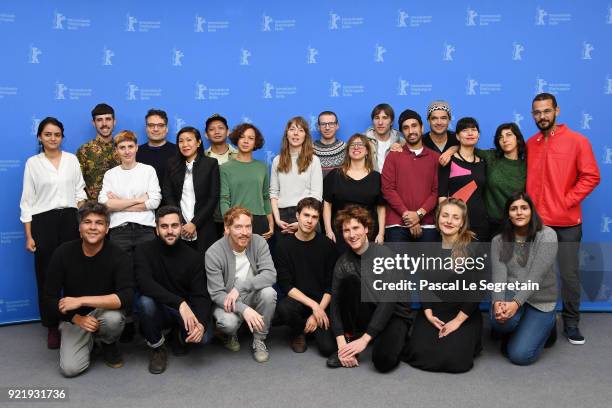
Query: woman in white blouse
[[296, 174], [53, 189]]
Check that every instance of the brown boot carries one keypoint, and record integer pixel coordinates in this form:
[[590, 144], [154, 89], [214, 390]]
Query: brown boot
[[298, 344]]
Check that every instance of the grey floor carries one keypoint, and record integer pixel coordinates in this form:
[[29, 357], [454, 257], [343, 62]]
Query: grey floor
[[565, 376]]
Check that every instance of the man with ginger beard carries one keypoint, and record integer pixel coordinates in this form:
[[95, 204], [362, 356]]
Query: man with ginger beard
[[240, 274]]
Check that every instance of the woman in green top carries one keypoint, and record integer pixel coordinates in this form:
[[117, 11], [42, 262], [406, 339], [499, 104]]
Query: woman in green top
[[245, 182], [506, 172]]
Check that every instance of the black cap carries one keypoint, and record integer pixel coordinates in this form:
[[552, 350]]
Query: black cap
[[409, 114], [214, 117]]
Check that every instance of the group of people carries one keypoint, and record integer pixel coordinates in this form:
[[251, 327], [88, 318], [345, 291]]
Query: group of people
[[194, 242]]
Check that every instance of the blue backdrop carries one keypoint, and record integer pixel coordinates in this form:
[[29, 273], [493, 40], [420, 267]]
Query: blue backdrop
[[266, 61]]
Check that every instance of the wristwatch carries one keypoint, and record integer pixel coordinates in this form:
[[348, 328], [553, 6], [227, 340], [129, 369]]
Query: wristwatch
[[420, 213]]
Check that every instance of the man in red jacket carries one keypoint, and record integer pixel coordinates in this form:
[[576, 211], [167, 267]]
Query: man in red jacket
[[561, 172]]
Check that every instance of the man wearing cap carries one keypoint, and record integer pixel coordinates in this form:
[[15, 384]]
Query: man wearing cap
[[411, 201], [217, 132], [98, 155], [157, 150], [439, 138]]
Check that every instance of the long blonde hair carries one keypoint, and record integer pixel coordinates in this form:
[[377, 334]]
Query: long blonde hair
[[305, 157], [346, 164], [464, 236]]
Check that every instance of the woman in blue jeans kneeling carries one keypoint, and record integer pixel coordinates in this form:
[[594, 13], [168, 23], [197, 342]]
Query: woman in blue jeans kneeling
[[524, 252]]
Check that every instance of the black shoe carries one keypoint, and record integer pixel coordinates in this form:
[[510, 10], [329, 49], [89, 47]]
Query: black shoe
[[552, 337], [333, 361], [112, 355], [177, 343], [128, 333], [505, 339], [573, 335], [158, 360]]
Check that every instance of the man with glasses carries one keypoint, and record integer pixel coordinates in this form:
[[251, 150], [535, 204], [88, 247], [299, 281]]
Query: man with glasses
[[157, 150], [97, 156], [328, 149], [561, 172]]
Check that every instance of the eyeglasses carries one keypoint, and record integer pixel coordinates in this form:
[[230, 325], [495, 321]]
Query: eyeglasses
[[545, 112], [356, 145], [327, 124], [156, 125]]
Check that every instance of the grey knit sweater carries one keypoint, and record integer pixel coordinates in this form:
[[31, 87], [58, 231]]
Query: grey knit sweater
[[220, 264], [539, 269]]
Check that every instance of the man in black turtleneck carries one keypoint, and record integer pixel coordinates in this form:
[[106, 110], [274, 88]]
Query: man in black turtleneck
[[171, 280]]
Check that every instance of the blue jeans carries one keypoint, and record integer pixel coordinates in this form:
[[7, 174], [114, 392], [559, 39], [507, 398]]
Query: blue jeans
[[528, 329], [401, 234], [155, 316]]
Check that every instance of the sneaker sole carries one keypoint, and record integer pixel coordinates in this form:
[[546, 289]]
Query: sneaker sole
[[576, 342], [114, 365], [262, 361]]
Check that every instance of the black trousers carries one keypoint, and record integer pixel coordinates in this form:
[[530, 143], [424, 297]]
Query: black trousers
[[569, 245], [294, 314], [389, 345], [49, 230]]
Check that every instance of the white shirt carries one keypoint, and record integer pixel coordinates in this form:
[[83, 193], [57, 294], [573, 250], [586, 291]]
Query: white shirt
[[46, 188], [129, 184], [188, 198], [381, 152], [289, 188], [243, 266]]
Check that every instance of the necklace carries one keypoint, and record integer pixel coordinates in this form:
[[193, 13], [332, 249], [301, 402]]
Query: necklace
[[462, 158]]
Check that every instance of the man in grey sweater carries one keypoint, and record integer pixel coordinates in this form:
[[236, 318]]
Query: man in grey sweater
[[240, 275]]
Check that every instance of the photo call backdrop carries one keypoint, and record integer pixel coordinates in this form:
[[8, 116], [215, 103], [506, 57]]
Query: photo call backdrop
[[266, 61]]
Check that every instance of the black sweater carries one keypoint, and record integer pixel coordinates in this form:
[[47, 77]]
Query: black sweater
[[171, 275], [72, 273], [350, 264], [306, 265]]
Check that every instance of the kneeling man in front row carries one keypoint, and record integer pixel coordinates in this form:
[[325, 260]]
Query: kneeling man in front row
[[172, 283], [240, 275], [95, 280]]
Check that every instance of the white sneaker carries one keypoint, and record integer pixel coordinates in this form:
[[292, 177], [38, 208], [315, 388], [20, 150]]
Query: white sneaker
[[260, 351]]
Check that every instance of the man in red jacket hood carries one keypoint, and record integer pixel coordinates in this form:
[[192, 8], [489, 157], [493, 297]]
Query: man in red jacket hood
[[561, 172]]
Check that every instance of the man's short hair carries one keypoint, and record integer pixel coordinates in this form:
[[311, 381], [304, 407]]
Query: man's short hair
[[167, 210], [215, 117], [356, 212], [545, 96], [102, 109], [126, 136], [383, 107], [157, 112], [308, 202], [234, 213], [327, 112], [93, 207], [239, 130]]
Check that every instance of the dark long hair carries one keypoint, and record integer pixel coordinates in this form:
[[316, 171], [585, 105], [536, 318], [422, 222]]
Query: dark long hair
[[520, 140], [198, 136], [49, 120], [508, 229]]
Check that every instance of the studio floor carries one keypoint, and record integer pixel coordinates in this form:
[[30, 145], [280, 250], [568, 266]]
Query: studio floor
[[565, 376]]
